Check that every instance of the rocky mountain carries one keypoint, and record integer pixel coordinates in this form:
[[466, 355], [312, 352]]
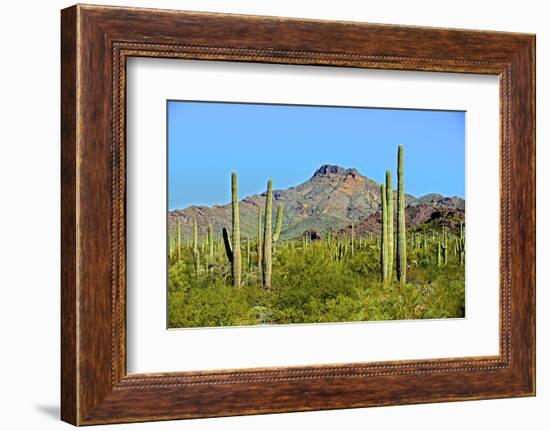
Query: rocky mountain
[[432, 210], [333, 198]]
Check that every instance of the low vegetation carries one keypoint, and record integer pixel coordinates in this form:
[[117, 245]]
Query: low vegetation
[[324, 280]]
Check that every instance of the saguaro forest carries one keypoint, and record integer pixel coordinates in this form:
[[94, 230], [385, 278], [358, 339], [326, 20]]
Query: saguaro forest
[[338, 247]]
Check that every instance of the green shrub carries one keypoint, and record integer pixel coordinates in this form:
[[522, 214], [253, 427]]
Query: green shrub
[[313, 286]]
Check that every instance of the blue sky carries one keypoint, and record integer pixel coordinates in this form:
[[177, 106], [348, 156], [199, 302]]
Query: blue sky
[[287, 143]]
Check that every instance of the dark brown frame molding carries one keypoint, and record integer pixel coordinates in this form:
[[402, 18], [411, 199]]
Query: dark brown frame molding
[[95, 43]]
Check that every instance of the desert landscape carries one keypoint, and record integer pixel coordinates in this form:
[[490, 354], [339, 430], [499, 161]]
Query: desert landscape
[[339, 247]]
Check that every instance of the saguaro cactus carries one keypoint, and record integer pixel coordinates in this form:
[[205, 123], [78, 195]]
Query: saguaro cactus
[[384, 237], [445, 247], [195, 235], [179, 240], [259, 241], [401, 264], [389, 217], [268, 236], [196, 253], [211, 242], [352, 239], [236, 231], [346, 243], [170, 247], [248, 253], [461, 245]]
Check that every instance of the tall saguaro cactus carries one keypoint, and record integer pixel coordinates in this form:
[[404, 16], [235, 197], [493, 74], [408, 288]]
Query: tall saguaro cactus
[[267, 236], [461, 245], [384, 239], [210, 245], [259, 241], [179, 240], [401, 265], [196, 253], [389, 218], [445, 247], [236, 231], [248, 253], [352, 239]]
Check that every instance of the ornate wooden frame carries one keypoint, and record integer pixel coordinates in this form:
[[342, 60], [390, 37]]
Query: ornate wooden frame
[[95, 42]]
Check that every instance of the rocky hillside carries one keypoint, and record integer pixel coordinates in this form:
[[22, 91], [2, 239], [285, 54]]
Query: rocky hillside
[[433, 210], [333, 198]]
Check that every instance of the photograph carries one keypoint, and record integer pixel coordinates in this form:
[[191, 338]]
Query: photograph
[[299, 214]]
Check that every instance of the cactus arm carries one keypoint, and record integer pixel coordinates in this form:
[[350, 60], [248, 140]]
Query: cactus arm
[[278, 223], [227, 245]]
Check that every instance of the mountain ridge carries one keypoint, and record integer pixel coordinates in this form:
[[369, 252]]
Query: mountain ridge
[[333, 198]]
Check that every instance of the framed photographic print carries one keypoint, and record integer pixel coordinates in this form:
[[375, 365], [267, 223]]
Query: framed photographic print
[[268, 215]]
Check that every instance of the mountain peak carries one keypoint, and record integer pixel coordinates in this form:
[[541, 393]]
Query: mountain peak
[[329, 170], [334, 171]]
